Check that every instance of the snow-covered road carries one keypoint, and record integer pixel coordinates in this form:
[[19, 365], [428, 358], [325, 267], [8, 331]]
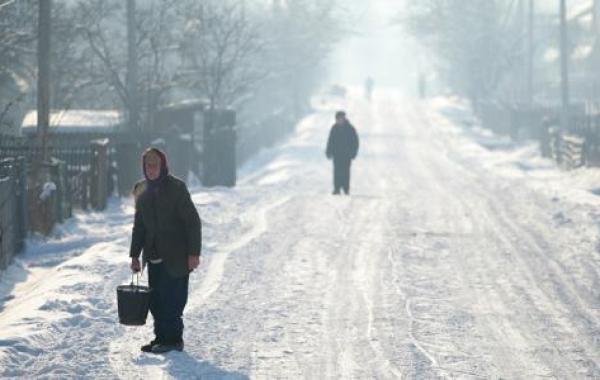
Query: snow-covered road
[[436, 266]]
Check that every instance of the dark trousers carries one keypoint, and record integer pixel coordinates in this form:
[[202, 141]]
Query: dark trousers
[[341, 175], [167, 301]]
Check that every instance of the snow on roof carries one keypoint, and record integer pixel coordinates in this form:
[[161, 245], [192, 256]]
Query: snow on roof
[[551, 54], [582, 51], [76, 121], [580, 8], [195, 103]]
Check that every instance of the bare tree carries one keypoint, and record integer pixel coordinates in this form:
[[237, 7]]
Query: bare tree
[[301, 35], [71, 72], [17, 56], [227, 51], [103, 25], [477, 43], [159, 30], [17, 35], [220, 50]]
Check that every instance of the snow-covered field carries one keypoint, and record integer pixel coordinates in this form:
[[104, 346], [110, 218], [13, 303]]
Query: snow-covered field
[[448, 260]]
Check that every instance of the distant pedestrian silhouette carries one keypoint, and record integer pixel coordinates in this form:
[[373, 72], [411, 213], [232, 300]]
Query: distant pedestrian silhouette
[[369, 85], [422, 86], [342, 148]]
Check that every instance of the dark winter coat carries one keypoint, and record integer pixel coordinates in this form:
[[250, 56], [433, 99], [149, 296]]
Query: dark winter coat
[[166, 225], [343, 142]]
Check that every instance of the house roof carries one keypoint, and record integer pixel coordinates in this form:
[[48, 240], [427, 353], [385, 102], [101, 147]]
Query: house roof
[[580, 9], [76, 121], [195, 104]]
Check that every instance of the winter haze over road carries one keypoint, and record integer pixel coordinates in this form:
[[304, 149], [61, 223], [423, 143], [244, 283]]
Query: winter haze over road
[[448, 260], [378, 47], [439, 264]]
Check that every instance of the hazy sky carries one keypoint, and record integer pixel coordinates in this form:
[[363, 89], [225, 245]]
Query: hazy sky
[[379, 49], [382, 49]]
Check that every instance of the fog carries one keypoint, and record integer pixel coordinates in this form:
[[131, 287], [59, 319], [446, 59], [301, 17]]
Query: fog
[[377, 46], [445, 228]]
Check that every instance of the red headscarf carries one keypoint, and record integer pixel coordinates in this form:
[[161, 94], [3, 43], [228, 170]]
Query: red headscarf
[[164, 167]]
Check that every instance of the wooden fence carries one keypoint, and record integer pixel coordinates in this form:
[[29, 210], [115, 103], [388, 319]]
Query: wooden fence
[[79, 175], [13, 214], [88, 163], [572, 148], [567, 149]]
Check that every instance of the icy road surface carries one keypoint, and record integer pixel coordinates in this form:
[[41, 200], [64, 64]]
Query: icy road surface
[[439, 264]]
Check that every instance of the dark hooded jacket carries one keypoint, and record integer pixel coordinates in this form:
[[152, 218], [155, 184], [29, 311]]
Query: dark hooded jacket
[[343, 142], [166, 224]]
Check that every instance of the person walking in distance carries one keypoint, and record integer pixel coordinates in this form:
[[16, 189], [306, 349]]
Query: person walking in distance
[[369, 85], [167, 229], [342, 148]]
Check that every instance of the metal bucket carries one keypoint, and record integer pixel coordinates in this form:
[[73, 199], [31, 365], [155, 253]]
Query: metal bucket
[[133, 302]]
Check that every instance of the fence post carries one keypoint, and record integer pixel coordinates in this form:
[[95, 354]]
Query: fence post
[[219, 154], [55, 178], [21, 194], [99, 174], [85, 199], [62, 205], [128, 163], [556, 144], [515, 122], [7, 211], [41, 208], [5, 252]]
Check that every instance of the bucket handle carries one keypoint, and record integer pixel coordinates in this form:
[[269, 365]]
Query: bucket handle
[[133, 274]]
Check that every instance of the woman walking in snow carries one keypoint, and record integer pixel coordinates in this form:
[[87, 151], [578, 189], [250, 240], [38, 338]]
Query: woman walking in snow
[[167, 229]]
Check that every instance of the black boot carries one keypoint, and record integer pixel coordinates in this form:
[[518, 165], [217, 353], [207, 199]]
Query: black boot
[[162, 348], [148, 347]]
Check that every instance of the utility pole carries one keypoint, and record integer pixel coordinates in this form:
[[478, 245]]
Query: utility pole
[[43, 93], [564, 67], [132, 69], [522, 67], [530, 53], [596, 16], [596, 50]]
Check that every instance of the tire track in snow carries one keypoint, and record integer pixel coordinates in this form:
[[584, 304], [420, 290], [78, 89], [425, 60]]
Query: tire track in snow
[[511, 334], [366, 267], [516, 240], [385, 218], [388, 111], [535, 255], [216, 267]]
